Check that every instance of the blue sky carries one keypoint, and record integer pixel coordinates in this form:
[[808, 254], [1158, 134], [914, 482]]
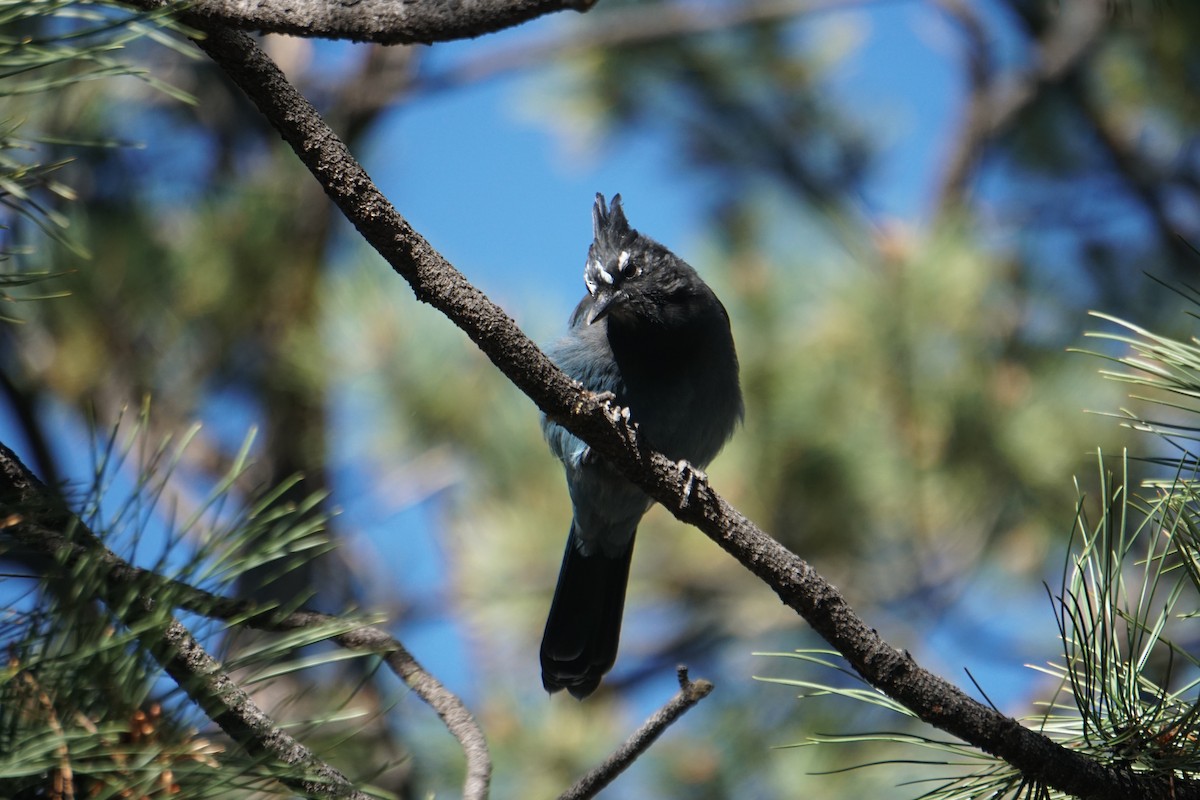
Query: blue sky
[[486, 158]]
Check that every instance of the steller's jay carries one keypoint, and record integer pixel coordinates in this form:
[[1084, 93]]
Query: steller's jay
[[652, 336]]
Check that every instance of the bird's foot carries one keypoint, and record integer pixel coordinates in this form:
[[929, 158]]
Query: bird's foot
[[620, 415], [692, 477], [603, 398]]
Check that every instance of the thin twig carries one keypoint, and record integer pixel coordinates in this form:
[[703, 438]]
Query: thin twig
[[53, 545], [448, 706], [690, 693], [436, 282]]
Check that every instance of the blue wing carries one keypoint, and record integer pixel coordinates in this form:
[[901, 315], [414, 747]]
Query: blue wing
[[586, 356], [606, 506]]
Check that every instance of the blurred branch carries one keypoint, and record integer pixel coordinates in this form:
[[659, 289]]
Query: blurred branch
[[1123, 154], [36, 519], [994, 104], [437, 282], [381, 21], [690, 693], [625, 26], [968, 147], [45, 535], [384, 73]]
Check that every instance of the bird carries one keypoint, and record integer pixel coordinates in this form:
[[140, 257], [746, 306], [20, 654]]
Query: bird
[[653, 338]]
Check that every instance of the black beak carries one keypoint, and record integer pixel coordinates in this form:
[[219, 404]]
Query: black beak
[[602, 302]]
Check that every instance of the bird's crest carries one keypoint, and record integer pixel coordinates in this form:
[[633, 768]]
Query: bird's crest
[[609, 226], [611, 248]]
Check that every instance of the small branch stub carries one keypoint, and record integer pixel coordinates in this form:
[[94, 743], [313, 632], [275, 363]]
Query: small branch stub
[[695, 691]]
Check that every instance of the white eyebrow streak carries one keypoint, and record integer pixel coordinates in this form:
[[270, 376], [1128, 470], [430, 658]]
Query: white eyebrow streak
[[622, 260]]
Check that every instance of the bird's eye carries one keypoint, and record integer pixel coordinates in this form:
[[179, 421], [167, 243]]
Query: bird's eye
[[628, 267]]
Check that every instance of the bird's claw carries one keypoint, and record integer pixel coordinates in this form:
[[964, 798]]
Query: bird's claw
[[603, 398], [620, 415], [691, 478]]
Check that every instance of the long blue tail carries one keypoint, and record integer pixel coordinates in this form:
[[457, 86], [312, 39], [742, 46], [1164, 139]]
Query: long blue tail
[[584, 625]]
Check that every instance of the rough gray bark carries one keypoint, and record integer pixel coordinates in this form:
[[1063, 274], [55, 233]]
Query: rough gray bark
[[379, 21]]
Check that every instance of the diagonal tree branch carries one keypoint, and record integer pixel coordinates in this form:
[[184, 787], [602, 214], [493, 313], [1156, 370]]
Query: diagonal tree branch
[[380, 21], [798, 585], [232, 709]]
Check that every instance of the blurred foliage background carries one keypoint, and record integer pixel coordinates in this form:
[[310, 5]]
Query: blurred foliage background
[[913, 419]]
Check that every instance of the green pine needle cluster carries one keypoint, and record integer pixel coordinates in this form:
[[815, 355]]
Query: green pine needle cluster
[[52, 47], [85, 707]]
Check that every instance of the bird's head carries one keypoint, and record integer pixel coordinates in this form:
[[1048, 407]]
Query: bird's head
[[622, 265]]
